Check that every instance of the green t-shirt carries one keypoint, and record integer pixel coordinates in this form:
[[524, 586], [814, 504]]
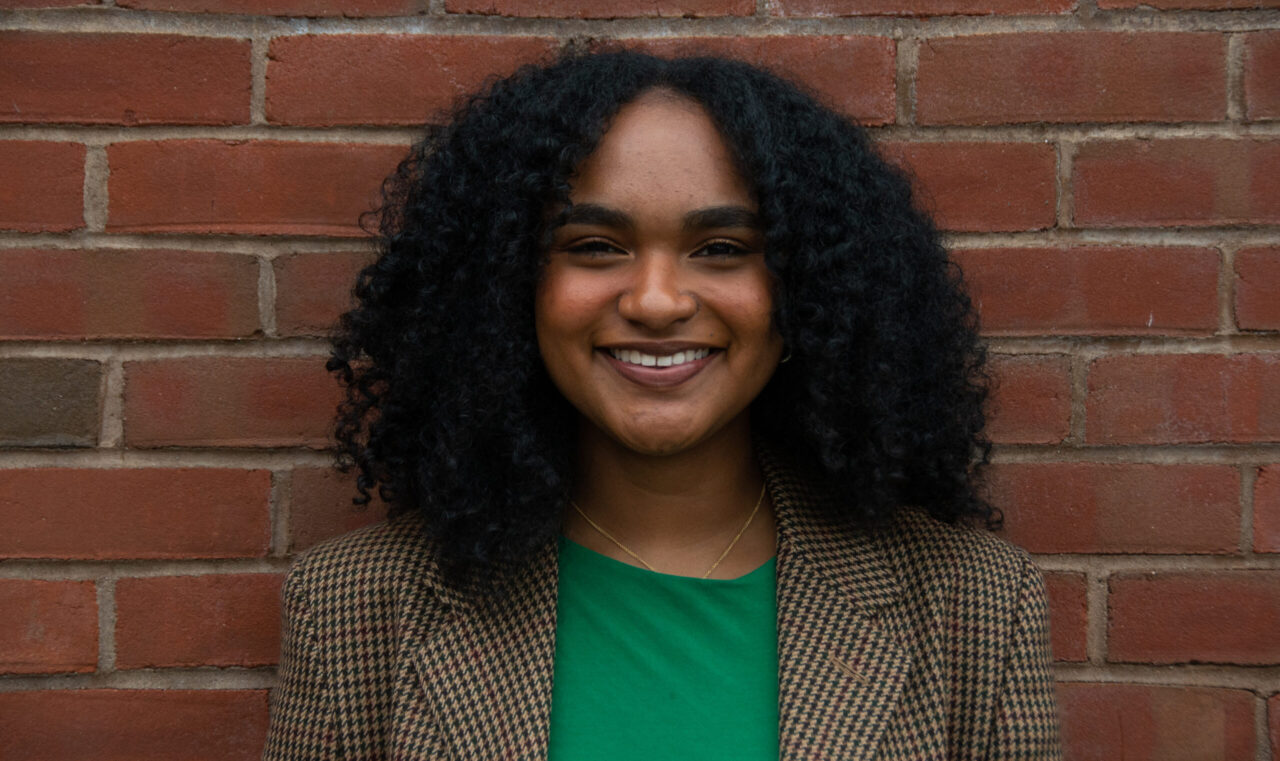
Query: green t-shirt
[[654, 666]]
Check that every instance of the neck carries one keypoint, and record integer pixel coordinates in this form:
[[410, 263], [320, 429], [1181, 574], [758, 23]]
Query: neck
[[678, 512]]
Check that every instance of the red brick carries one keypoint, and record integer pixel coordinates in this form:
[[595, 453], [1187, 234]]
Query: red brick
[[107, 514], [229, 401], [1138, 722], [1184, 399], [384, 79], [1177, 182], [59, 294], [982, 186], [350, 8], [140, 725], [1093, 290], [1258, 288], [1208, 5], [852, 74], [1103, 508], [123, 79], [1072, 77], [1032, 400], [48, 626], [45, 3], [604, 8], [918, 7], [1068, 615], [1213, 617], [312, 290], [1266, 510], [215, 620], [1261, 62], [43, 188], [257, 188], [50, 401], [320, 506]]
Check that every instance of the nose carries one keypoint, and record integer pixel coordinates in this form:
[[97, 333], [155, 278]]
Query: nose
[[658, 296]]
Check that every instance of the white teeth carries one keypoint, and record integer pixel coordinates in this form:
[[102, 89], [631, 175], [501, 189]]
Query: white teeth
[[633, 357]]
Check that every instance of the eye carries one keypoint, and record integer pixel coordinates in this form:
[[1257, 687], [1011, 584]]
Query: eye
[[594, 247], [722, 248]]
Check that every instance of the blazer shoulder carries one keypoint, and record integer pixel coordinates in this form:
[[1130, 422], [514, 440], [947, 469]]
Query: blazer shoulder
[[363, 564], [957, 556]]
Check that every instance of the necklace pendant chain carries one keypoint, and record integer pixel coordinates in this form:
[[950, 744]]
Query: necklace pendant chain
[[643, 562]]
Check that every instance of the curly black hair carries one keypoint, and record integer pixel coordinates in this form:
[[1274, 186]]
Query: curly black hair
[[449, 410]]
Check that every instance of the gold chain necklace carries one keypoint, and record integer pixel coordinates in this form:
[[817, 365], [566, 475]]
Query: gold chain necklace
[[643, 562]]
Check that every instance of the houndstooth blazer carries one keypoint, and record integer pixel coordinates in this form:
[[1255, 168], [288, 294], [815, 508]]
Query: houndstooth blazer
[[915, 641]]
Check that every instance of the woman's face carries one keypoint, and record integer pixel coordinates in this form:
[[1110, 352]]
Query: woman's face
[[653, 314]]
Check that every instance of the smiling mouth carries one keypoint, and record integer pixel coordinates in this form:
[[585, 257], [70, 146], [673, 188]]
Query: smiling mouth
[[633, 357]]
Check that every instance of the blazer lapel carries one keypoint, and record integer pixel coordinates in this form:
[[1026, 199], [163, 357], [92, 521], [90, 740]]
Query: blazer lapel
[[841, 669], [487, 669]]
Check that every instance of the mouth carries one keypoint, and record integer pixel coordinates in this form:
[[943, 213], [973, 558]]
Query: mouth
[[641, 359], [665, 368]]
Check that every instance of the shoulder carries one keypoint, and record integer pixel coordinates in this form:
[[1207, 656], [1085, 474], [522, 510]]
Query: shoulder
[[377, 563]]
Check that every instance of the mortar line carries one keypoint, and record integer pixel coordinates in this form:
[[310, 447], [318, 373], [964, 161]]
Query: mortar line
[[907, 64], [259, 46], [1096, 605], [95, 570], [96, 179], [1227, 324], [106, 589], [111, 434], [281, 505], [1065, 152], [1248, 482], [1237, 108], [1263, 734], [1079, 369], [267, 297]]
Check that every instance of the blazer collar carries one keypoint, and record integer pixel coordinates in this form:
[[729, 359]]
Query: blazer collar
[[487, 670]]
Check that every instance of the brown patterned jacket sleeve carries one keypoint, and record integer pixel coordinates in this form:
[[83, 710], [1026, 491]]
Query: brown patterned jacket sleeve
[[300, 712], [1026, 723]]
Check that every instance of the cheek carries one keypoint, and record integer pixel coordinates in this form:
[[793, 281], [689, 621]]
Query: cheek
[[564, 310]]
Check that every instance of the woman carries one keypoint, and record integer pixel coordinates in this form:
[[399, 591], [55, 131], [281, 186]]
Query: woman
[[677, 404]]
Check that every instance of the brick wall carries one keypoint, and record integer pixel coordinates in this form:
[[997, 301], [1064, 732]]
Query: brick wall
[[178, 227]]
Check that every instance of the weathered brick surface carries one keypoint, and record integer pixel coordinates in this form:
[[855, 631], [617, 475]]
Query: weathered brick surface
[[1031, 403], [380, 79], [258, 188], [313, 290], [1130, 508], [1208, 617], [1261, 85], [105, 514], [74, 295], [43, 188], [1068, 615], [48, 627], [1093, 290], [1184, 399], [982, 186], [355, 8], [146, 725], [123, 79], [1072, 77], [214, 620], [320, 506], [49, 402], [604, 8], [918, 7], [1273, 722], [1208, 5], [1143, 722], [852, 73], [1258, 288], [1135, 183], [229, 401], [1266, 510]]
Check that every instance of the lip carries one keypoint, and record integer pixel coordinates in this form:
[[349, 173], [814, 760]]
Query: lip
[[659, 377]]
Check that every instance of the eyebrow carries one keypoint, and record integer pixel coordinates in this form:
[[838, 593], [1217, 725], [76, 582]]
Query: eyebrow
[[699, 219]]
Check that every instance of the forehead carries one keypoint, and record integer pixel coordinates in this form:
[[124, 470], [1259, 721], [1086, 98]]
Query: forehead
[[660, 147]]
